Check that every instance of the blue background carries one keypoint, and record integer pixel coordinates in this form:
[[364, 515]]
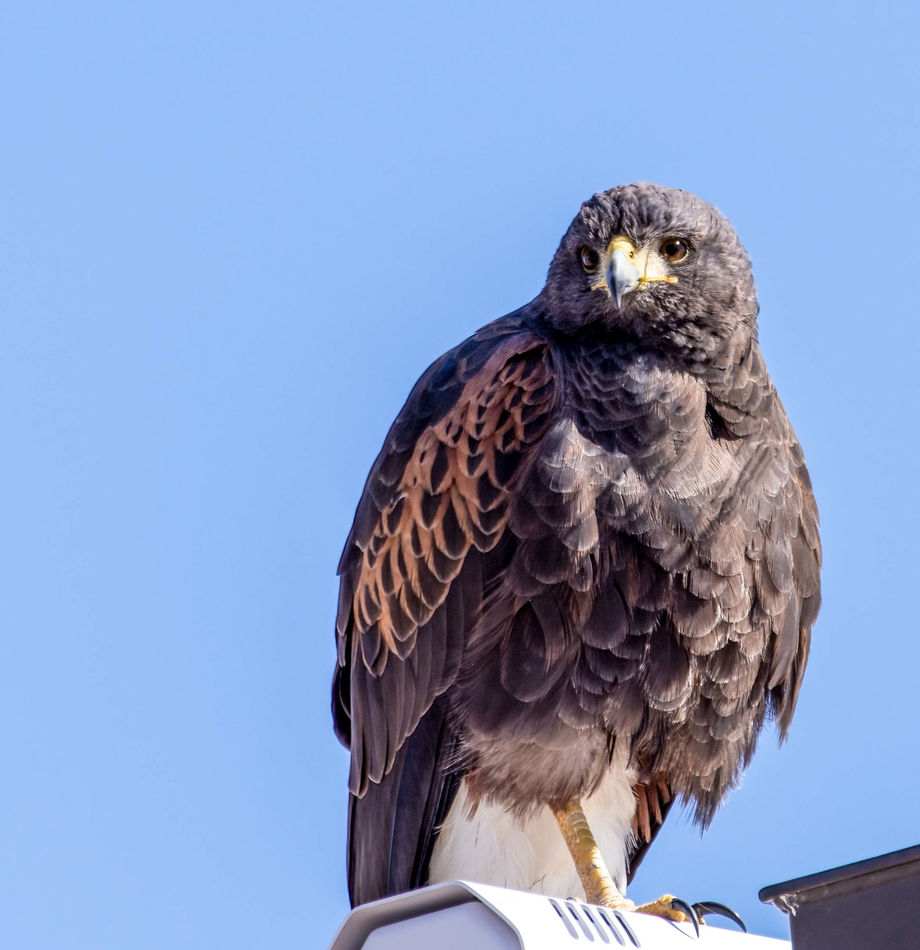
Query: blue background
[[231, 237]]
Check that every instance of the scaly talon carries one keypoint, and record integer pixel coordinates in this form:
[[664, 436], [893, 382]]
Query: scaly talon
[[672, 908], [714, 907]]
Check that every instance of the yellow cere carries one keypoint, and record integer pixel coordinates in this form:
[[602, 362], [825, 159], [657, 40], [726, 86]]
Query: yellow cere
[[648, 261], [624, 244]]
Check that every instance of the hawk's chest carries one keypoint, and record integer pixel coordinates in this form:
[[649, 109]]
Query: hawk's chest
[[630, 446]]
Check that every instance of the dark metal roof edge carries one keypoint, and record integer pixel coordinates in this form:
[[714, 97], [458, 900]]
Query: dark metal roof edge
[[775, 893]]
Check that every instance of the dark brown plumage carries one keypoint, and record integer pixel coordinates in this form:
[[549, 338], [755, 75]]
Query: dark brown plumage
[[589, 528]]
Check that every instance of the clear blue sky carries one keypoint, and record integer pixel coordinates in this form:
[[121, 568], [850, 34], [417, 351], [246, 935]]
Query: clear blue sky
[[231, 237]]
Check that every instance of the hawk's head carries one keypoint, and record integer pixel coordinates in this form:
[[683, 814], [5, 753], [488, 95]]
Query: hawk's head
[[655, 264]]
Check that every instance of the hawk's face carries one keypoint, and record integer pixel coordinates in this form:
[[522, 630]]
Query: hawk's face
[[654, 264]]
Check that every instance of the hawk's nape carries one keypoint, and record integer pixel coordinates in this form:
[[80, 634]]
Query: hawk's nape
[[583, 571]]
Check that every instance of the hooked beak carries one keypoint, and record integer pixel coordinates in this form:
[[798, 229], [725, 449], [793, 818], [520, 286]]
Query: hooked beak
[[629, 268], [622, 274]]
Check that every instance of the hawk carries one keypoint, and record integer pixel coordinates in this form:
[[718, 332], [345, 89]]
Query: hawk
[[583, 572]]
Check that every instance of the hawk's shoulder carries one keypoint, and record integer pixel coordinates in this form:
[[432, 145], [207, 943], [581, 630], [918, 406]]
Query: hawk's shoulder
[[435, 505]]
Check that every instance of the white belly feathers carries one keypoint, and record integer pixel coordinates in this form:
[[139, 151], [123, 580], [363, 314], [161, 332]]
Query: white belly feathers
[[493, 847]]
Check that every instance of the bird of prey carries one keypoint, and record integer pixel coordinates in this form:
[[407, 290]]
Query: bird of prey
[[582, 574]]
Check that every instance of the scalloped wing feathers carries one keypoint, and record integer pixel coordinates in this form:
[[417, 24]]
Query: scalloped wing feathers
[[436, 501]]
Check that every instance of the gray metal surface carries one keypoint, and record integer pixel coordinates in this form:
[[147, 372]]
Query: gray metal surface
[[459, 914], [468, 926], [871, 903]]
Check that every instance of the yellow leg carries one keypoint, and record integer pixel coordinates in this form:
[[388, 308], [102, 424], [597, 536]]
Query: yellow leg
[[592, 869], [589, 862]]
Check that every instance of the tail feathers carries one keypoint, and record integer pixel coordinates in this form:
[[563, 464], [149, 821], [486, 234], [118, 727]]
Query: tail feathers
[[393, 827]]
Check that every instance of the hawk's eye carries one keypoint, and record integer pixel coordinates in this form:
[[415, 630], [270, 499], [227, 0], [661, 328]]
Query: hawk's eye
[[589, 259], [675, 250]]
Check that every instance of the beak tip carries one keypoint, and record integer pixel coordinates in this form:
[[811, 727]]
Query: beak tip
[[622, 276]]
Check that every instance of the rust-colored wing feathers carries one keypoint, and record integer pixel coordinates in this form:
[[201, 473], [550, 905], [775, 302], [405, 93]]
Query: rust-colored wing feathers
[[437, 500], [653, 802]]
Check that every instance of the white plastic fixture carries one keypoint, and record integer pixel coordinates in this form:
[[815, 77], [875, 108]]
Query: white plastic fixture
[[459, 915]]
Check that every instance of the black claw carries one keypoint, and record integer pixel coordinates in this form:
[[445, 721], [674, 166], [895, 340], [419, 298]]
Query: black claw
[[685, 908], [714, 907]]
